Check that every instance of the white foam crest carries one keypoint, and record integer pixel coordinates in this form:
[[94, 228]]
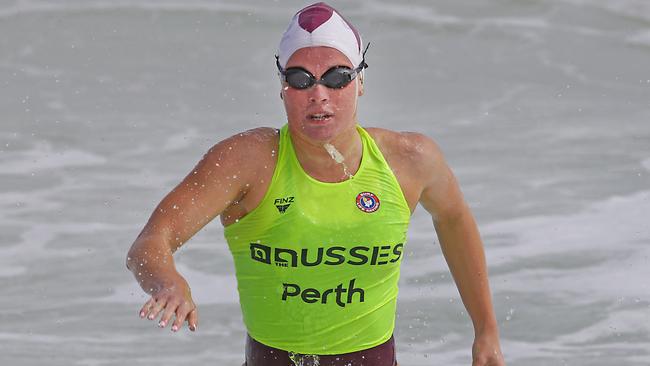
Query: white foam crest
[[410, 12], [609, 242], [611, 235], [620, 321], [638, 9], [12, 271], [33, 241], [30, 7], [25, 202], [31, 70], [207, 288], [558, 231], [504, 99], [572, 71], [584, 341], [428, 353], [528, 27], [515, 22], [431, 16], [587, 340], [641, 38], [646, 164], [31, 337], [42, 156], [181, 140], [534, 23]]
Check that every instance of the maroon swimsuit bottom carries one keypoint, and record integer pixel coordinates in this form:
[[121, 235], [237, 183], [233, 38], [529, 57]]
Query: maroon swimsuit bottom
[[258, 354]]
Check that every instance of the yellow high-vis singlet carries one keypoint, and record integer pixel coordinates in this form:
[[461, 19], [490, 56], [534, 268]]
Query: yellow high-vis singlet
[[318, 263]]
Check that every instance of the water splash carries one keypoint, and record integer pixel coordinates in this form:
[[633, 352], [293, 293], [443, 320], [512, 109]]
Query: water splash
[[304, 360], [338, 157]]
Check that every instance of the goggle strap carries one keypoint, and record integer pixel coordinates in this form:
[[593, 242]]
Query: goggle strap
[[277, 63], [363, 64]]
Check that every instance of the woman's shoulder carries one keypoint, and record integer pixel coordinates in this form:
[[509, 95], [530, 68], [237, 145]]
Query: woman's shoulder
[[246, 154], [415, 159], [405, 146], [246, 144]]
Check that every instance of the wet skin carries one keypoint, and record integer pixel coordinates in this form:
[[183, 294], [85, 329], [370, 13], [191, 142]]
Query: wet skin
[[219, 185]]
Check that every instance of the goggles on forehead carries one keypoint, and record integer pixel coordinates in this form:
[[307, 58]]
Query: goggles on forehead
[[336, 77]]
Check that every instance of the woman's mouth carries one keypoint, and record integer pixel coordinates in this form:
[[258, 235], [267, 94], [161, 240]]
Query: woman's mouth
[[320, 117]]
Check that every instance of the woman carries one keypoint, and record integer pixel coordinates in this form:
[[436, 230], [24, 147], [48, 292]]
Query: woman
[[316, 216]]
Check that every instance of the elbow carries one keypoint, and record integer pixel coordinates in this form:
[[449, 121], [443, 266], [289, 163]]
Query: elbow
[[145, 249], [133, 255], [129, 259]]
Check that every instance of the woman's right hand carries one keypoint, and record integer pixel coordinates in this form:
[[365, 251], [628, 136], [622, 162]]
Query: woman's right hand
[[174, 298]]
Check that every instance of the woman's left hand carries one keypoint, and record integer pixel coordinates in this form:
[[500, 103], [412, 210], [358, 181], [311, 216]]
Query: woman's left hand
[[486, 351]]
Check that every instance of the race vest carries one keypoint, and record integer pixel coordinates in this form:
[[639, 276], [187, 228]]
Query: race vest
[[317, 263]]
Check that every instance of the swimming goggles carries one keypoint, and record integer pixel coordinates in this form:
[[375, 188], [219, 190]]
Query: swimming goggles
[[336, 77]]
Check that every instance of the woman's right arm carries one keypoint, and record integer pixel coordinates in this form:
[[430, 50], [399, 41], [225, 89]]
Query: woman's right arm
[[217, 181]]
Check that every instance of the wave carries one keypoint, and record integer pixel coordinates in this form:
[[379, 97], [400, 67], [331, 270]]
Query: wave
[[29, 7], [635, 9]]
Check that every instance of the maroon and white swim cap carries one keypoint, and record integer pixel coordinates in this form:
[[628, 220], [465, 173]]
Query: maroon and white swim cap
[[320, 25]]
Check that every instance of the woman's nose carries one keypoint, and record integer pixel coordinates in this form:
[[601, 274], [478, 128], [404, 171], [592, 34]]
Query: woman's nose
[[318, 93]]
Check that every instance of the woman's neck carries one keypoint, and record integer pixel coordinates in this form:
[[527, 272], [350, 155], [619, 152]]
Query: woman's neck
[[330, 161]]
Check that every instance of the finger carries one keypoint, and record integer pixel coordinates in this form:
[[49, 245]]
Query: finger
[[159, 304], [481, 361], [170, 309], [145, 308], [193, 319], [181, 314]]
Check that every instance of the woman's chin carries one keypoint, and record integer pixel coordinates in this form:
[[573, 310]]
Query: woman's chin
[[320, 130]]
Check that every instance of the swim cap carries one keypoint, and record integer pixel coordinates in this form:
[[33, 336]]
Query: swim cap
[[320, 25]]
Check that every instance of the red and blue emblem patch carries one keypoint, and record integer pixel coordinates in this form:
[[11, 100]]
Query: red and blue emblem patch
[[367, 202]]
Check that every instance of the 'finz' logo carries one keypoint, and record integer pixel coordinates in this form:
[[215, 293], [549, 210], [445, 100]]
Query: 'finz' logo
[[283, 203], [367, 202]]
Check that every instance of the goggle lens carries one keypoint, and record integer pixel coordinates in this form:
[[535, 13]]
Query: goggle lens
[[334, 78]]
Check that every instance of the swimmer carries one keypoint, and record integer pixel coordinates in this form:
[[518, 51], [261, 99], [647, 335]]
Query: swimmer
[[315, 216]]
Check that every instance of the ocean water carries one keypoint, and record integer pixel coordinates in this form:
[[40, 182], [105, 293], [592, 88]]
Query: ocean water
[[542, 108]]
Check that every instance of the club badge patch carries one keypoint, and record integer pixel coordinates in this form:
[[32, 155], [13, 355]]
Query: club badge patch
[[367, 202]]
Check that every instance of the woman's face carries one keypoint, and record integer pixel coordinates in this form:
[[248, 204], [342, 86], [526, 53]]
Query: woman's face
[[319, 113]]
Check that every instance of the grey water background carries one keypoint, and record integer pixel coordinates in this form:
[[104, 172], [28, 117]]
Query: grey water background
[[542, 108]]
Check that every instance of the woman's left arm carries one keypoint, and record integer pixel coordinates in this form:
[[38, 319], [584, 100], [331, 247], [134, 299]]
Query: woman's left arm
[[462, 247]]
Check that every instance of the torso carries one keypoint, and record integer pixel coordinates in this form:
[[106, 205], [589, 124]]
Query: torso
[[397, 148]]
